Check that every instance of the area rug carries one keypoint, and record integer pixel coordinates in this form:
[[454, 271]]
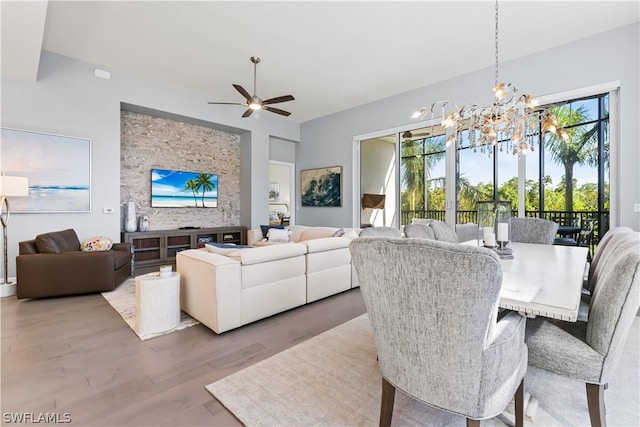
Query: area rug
[[123, 300], [333, 380]]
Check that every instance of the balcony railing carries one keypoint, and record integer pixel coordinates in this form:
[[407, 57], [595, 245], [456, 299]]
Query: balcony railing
[[601, 218]]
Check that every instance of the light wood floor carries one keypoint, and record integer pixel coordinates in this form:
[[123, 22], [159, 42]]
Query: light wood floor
[[77, 355]]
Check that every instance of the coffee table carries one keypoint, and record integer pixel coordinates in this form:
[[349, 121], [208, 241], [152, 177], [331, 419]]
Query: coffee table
[[157, 303]]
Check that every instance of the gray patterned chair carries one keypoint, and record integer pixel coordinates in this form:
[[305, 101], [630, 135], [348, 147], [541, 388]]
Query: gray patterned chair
[[608, 243], [432, 307], [533, 230], [419, 231], [381, 231], [466, 232], [589, 351]]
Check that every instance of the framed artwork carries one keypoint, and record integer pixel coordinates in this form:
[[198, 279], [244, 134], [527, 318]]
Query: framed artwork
[[274, 192], [58, 168], [321, 187]]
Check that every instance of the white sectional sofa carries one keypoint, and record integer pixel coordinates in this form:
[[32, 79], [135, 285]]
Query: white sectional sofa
[[227, 288]]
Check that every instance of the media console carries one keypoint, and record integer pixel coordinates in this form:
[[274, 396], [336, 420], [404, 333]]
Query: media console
[[154, 248]]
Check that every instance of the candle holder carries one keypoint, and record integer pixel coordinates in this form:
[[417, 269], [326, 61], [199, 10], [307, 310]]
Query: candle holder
[[494, 224]]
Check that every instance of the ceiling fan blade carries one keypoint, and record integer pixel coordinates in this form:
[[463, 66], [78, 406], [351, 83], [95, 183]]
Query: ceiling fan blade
[[243, 92], [275, 100], [276, 110], [248, 112], [225, 103]]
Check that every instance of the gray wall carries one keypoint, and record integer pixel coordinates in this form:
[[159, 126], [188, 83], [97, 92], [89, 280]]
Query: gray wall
[[145, 141], [68, 100], [600, 59]]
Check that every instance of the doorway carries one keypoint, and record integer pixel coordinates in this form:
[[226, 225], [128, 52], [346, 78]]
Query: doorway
[[281, 193], [378, 182]]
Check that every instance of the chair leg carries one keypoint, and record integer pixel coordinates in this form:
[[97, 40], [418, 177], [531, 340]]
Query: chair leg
[[595, 400], [519, 405], [473, 423], [386, 406]]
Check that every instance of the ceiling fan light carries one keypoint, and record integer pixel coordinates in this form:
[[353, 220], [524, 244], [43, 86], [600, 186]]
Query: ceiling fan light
[[255, 106]]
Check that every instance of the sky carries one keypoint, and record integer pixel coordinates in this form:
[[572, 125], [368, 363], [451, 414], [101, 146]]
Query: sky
[[171, 183]]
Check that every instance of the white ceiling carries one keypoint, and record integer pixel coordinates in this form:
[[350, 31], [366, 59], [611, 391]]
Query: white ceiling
[[330, 55]]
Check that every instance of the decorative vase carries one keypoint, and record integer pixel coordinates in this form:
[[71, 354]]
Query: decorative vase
[[143, 223], [130, 219]]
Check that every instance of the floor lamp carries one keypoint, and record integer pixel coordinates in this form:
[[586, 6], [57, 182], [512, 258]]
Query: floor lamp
[[10, 186]]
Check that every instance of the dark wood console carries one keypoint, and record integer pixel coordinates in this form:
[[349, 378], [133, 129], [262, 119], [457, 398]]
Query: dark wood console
[[151, 249]]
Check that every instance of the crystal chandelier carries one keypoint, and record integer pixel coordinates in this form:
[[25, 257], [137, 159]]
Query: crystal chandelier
[[513, 121]]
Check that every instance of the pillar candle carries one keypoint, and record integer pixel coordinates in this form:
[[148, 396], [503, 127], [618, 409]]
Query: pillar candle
[[489, 237], [503, 232]]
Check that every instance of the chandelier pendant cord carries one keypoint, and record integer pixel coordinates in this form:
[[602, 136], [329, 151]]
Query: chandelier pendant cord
[[512, 120], [496, 37]]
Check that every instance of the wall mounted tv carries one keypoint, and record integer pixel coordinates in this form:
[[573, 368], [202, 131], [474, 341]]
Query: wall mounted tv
[[180, 189]]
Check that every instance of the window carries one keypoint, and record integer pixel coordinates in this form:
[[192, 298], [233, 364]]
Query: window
[[565, 181]]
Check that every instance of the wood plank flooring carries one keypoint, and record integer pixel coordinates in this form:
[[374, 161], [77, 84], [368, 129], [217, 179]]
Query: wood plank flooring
[[76, 355]]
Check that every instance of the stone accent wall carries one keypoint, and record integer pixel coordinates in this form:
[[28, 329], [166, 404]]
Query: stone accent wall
[[148, 142]]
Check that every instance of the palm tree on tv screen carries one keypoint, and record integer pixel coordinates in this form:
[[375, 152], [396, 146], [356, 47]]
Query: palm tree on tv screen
[[205, 184], [192, 185]]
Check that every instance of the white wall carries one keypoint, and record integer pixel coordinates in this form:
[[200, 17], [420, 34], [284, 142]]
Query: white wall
[[378, 175], [68, 100], [603, 58]]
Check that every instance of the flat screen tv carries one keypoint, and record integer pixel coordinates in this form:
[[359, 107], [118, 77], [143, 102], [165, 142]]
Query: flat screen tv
[[180, 189]]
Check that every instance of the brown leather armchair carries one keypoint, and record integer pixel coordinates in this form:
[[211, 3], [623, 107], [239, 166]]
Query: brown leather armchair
[[53, 265]]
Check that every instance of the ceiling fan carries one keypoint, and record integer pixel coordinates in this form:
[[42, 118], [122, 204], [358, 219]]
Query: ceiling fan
[[254, 103], [408, 134]]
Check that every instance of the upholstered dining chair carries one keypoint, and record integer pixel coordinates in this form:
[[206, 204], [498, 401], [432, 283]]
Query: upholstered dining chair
[[608, 245], [533, 230], [467, 231], [589, 351], [419, 231], [381, 231], [432, 307]]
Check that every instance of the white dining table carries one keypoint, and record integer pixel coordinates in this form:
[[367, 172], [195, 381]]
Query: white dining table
[[543, 280]]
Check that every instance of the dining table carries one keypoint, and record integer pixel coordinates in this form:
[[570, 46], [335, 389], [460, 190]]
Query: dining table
[[543, 280]]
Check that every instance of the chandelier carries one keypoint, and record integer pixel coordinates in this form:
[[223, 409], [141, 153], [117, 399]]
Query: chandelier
[[513, 121]]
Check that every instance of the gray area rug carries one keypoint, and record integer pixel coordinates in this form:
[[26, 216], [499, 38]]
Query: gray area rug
[[123, 300], [333, 380]]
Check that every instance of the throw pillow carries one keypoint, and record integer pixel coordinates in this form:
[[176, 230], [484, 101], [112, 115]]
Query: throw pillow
[[351, 234], [265, 229], [221, 248], [97, 243], [340, 232], [278, 235]]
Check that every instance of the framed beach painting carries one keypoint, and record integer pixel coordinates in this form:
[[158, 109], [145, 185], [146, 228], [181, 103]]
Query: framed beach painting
[[58, 168], [321, 187]]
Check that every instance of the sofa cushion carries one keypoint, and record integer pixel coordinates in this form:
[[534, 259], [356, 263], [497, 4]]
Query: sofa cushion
[[97, 243], [317, 233], [121, 258], [326, 244], [260, 254], [296, 231], [58, 242]]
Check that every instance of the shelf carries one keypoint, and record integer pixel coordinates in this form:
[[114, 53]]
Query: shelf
[[152, 249]]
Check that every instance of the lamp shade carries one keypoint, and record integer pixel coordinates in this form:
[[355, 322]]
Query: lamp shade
[[14, 186]]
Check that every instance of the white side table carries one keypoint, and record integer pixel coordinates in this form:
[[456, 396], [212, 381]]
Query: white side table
[[157, 303]]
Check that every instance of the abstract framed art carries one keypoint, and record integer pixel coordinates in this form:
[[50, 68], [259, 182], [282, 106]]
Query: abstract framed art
[[58, 168], [321, 187]]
